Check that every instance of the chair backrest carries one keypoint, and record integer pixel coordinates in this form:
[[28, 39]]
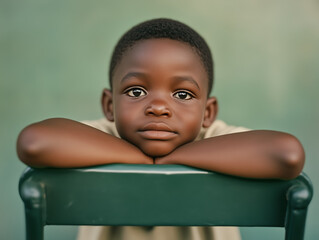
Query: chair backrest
[[160, 195]]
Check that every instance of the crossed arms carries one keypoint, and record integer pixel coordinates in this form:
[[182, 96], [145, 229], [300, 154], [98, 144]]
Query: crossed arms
[[65, 143]]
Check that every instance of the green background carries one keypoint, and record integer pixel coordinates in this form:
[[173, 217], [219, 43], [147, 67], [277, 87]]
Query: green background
[[54, 59]]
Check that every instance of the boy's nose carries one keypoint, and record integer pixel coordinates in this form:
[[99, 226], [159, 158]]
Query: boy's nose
[[158, 108]]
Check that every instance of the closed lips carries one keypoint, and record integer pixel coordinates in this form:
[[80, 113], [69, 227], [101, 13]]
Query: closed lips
[[157, 131], [157, 127]]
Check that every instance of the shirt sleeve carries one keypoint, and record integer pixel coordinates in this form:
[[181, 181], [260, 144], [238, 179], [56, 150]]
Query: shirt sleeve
[[103, 125], [219, 128]]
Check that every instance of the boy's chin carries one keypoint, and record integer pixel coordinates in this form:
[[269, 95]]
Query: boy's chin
[[157, 151]]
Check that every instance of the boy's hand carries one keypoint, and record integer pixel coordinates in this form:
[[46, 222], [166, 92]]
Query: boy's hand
[[164, 160]]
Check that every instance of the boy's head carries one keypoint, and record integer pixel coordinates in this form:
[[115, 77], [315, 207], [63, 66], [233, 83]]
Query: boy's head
[[161, 80], [163, 28]]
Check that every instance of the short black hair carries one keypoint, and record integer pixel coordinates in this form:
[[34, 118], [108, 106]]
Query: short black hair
[[163, 28]]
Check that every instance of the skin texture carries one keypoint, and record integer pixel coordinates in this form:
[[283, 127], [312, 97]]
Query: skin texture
[[169, 89], [61, 142], [159, 103]]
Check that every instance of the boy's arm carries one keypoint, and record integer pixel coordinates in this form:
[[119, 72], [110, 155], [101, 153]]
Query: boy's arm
[[65, 143], [255, 154]]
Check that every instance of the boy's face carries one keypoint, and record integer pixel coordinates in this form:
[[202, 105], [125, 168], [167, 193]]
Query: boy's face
[[159, 98]]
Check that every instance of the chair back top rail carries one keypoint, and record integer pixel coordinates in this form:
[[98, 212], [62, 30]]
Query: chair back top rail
[[159, 195]]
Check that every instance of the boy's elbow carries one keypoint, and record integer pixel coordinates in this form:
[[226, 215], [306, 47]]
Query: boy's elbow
[[29, 145], [292, 156]]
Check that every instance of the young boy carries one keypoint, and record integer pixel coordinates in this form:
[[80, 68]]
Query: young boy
[[161, 75]]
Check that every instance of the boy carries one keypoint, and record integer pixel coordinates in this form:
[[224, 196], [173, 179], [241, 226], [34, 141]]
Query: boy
[[161, 75]]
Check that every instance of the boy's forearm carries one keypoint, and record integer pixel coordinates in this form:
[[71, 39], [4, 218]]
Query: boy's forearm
[[66, 143], [255, 154]]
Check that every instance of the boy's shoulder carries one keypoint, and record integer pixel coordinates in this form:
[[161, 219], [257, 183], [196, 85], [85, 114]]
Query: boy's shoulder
[[104, 125], [218, 128]]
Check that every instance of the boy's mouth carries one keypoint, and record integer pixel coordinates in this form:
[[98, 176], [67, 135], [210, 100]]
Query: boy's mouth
[[157, 131]]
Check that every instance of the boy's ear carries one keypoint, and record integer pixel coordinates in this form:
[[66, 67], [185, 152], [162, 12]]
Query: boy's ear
[[107, 104], [211, 111]]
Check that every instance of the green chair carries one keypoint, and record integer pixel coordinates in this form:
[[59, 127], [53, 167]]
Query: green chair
[[160, 195]]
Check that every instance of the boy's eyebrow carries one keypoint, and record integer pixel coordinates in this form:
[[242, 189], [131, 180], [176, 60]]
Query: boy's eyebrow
[[133, 74], [187, 79]]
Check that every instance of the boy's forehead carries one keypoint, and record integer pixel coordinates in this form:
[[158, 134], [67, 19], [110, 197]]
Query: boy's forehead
[[162, 52], [160, 44]]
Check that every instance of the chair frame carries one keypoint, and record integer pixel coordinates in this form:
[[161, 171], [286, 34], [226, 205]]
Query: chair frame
[[160, 195]]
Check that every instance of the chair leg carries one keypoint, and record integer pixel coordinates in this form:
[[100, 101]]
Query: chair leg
[[33, 196], [298, 197], [34, 224], [296, 227]]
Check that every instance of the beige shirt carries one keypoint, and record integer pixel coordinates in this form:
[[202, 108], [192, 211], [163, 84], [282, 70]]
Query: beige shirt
[[161, 232]]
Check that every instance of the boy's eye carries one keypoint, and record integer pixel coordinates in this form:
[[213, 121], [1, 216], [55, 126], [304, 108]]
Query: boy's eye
[[136, 92], [183, 95]]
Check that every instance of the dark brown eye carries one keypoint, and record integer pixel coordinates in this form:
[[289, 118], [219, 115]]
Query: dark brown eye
[[136, 92], [183, 95]]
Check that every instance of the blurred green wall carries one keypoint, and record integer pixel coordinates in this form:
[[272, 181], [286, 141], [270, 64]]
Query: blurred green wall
[[54, 60]]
